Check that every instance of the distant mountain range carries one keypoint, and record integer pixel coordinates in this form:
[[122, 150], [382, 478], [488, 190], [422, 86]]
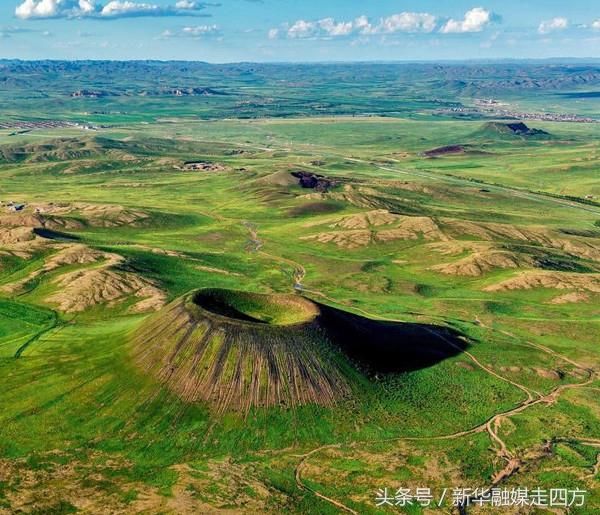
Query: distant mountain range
[[472, 77]]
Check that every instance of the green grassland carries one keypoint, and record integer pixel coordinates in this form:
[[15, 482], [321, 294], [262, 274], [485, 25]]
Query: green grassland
[[397, 237]]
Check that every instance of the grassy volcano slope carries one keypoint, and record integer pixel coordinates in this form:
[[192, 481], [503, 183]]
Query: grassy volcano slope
[[239, 350], [512, 130]]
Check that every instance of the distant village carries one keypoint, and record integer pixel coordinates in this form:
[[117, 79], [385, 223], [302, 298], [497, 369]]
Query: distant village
[[500, 110], [46, 124]]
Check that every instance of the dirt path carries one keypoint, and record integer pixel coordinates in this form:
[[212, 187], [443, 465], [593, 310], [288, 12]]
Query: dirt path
[[302, 486], [588, 441], [538, 346], [37, 336], [529, 392], [491, 426], [596, 470], [298, 274], [513, 463], [255, 244]]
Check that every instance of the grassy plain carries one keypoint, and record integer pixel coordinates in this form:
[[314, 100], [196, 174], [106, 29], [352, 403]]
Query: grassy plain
[[500, 242]]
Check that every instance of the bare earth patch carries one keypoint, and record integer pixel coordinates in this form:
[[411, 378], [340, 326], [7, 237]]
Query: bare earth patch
[[483, 231], [413, 228], [363, 229], [457, 247], [344, 239], [83, 289], [21, 242], [481, 262], [18, 232], [93, 285], [107, 215], [15, 235], [571, 298], [34, 219], [547, 374], [553, 280], [78, 254], [80, 289], [68, 254], [374, 218], [96, 215]]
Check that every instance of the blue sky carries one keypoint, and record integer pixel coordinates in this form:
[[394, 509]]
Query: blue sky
[[298, 30]]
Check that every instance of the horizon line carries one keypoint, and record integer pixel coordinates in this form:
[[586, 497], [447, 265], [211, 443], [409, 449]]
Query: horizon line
[[590, 60]]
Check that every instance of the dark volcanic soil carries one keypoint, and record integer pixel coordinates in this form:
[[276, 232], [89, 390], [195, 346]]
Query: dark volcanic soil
[[389, 347], [314, 181], [515, 129], [442, 151]]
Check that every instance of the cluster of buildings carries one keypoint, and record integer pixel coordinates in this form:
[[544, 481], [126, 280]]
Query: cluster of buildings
[[489, 106]]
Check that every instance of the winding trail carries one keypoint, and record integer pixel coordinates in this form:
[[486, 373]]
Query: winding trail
[[491, 426], [302, 486], [298, 274], [37, 336], [255, 244]]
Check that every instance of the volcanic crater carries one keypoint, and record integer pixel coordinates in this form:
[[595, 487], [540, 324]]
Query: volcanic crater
[[237, 351]]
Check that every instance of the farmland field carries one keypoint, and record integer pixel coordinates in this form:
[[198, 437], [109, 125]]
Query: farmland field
[[295, 285]]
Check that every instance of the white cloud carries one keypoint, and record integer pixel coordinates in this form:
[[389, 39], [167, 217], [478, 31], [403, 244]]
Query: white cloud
[[41, 9], [363, 25], [118, 8], [475, 20], [596, 24], [408, 22], [333, 28], [87, 6], [187, 4], [195, 32], [553, 25], [29, 9], [302, 29], [330, 28], [201, 30]]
